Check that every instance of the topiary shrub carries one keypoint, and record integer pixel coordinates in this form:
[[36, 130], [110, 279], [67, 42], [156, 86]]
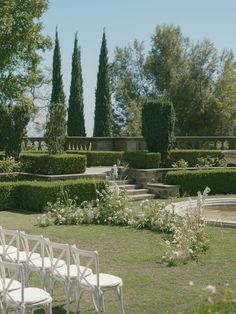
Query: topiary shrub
[[142, 160], [100, 158], [53, 164], [158, 121], [191, 155], [35, 195], [222, 181]]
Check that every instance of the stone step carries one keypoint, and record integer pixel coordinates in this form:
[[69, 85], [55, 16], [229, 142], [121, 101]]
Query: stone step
[[137, 192], [130, 186], [141, 197], [119, 182]]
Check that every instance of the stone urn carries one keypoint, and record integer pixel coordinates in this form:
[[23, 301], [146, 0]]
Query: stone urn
[[230, 156]]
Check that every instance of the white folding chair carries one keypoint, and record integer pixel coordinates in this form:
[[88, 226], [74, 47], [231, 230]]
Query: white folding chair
[[98, 283], [67, 274], [23, 298], [9, 242], [35, 244]]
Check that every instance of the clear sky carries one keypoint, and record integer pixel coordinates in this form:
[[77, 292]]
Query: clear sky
[[125, 20]]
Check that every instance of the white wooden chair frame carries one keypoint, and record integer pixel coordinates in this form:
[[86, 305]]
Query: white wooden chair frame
[[7, 296], [92, 283]]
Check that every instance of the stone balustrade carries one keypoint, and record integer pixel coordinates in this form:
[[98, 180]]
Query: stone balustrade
[[133, 143]]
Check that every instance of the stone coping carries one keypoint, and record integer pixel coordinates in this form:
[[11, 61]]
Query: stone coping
[[181, 208]]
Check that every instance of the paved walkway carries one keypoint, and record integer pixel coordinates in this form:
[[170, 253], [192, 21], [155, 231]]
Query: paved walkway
[[97, 170]]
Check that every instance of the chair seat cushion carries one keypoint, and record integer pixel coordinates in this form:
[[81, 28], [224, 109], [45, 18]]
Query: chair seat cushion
[[63, 271], [47, 262], [31, 295], [106, 281], [22, 257], [15, 284], [8, 248]]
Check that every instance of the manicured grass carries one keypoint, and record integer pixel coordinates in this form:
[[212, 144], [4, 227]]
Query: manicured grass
[[135, 255]]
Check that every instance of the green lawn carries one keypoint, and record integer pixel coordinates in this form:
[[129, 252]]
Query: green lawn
[[135, 255]]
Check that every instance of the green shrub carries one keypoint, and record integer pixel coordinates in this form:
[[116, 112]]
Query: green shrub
[[222, 181], [158, 121], [35, 195], [142, 160], [8, 165], [191, 155], [100, 158], [53, 164]]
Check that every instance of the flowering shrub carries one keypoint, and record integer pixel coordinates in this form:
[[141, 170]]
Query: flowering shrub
[[181, 163], [209, 162], [217, 300], [186, 235], [9, 164]]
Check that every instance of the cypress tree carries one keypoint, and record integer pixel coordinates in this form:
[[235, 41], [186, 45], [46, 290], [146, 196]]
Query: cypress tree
[[58, 95], [75, 123], [103, 112]]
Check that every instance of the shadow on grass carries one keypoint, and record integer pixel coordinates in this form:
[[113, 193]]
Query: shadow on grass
[[21, 211]]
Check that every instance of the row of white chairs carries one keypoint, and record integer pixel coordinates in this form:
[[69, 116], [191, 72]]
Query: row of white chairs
[[22, 254]]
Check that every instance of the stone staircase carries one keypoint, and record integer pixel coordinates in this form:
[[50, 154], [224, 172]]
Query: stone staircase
[[135, 192]]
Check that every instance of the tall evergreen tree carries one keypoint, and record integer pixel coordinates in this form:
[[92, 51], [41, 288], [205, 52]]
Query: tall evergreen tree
[[75, 123], [58, 95], [103, 111]]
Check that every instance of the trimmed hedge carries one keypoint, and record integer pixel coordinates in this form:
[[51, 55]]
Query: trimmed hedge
[[143, 160], [140, 160], [220, 181], [100, 158], [191, 155], [53, 164], [35, 195]]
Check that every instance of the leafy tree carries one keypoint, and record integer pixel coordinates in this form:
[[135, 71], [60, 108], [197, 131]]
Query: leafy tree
[[56, 128], [75, 123], [21, 43], [57, 95], [225, 93], [103, 111], [129, 87], [13, 120]]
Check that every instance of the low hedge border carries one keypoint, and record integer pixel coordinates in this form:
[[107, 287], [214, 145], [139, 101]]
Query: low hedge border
[[191, 155], [42, 163], [34, 195], [220, 181], [138, 160], [100, 158]]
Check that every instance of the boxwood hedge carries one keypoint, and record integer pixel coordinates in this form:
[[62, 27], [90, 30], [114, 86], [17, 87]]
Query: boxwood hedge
[[35, 195], [191, 155], [53, 164], [139, 159], [220, 181]]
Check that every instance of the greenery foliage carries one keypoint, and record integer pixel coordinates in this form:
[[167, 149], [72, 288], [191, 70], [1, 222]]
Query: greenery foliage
[[35, 195], [9, 165], [53, 164], [158, 121], [13, 122], [128, 89], [57, 96], [191, 156], [75, 123], [103, 111], [100, 158], [56, 128], [222, 181], [137, 159], [142, 160]]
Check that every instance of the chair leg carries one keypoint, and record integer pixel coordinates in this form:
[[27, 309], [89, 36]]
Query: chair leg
[[49, 309], [120, 296], [78, 295], [67, 288]]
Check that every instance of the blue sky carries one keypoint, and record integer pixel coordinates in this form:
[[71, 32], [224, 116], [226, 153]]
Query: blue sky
[[125, 20]]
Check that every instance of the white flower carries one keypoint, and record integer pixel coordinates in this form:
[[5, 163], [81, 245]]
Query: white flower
[[191, 283], [211, 289]]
